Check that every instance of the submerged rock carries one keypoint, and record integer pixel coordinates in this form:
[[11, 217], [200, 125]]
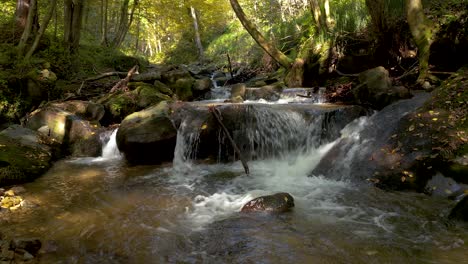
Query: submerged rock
[[275, 203], [31, 245], [460, 211]]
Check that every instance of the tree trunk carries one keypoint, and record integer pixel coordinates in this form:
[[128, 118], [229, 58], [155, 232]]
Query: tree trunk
[[198, 42], [21, 14], [104, 9], [421, 30], [137, 41], [73, 14], [28, 27], [269, 48], [123, 22], [321, 12], [135, 4], [42, 29]]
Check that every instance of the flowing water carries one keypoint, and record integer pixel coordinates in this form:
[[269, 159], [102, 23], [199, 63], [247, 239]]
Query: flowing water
[[99, 210]]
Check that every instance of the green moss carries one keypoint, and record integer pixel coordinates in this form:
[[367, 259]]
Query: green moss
[[21, 163]]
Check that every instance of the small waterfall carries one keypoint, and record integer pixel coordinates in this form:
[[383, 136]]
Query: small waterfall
[[321, 95], [186, 147], [219, 93], [277, 132], [109, 149]]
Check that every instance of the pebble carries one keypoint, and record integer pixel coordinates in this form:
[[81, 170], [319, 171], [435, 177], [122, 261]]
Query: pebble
[[9, 193]]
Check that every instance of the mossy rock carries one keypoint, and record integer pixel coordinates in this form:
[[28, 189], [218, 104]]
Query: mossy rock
[[162, 88], [148, 95], [183, 88], [20, 163]]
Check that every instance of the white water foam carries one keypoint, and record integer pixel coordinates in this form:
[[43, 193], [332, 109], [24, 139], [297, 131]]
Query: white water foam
[[110, 151]]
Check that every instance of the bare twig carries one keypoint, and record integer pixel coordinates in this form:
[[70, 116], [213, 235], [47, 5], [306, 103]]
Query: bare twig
[[217, 115], [122, 84]]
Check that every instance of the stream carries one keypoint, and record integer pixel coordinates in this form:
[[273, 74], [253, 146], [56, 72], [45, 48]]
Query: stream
[[100, 210]]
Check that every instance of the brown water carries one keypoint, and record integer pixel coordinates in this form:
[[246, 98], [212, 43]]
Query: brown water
[[92, 211]]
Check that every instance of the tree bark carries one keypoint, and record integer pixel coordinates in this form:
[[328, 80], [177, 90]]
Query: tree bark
[[28, 27], [320, 11], [123, 23], [104, 10], [420, 28], [269, 48], [198, 42], [42, 29], [73, 14]]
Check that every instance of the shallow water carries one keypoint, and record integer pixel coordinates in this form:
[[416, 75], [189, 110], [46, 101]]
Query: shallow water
[[102, 211]]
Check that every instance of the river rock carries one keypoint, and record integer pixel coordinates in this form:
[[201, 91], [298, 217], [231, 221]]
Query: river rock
[[183, 88], [87, 110], [275, 203], [162, 88], [267, 92], [65, 128], [22, 157], [364, 150], [149, 95], [238, 89], [460, 211], [376, 89], [148, 136], [31, 245]]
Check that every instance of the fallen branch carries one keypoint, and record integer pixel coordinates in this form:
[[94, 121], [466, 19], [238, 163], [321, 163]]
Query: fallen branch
[[122, 84], [105, 75], [218, 118]]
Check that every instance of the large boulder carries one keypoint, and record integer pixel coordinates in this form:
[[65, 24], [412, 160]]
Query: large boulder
[[39, 83], [162, 88], [365, 150], [238, 89], [183, 88], [67, 129], [267, 92], [149, 95], [202, 86], [275, 203], [22, 157], [171, 77], [376, 89], [148, 136], [84, 109]]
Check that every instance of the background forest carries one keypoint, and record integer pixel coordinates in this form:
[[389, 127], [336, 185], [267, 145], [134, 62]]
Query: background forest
[[79, 38]]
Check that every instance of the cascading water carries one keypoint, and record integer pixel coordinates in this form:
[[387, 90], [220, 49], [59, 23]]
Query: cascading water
[[189, 213], [110, 150]]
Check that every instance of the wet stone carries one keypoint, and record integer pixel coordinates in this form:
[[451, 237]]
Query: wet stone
[[31, 245], [276, 203]]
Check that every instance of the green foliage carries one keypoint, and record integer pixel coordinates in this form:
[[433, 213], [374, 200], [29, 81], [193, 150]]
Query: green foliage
[[350, 15]]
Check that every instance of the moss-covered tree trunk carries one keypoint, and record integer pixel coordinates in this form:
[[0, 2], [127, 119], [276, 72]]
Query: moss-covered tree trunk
[[268, 47], [421, 29]]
